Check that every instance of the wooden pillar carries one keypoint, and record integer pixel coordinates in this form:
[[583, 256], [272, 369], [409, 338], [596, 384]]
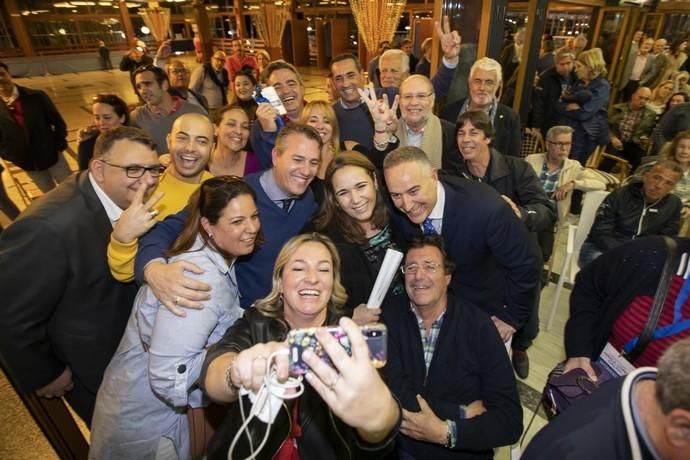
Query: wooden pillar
[[19, 29], [536, 11], [126, 20], [201, 20], [239, 19]]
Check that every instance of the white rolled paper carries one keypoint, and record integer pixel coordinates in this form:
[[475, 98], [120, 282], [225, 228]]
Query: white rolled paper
[[391, 263]]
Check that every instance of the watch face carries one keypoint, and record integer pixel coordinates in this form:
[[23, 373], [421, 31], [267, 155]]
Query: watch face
[[392, 139]]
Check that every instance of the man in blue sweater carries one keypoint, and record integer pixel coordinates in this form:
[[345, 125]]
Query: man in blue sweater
[[447, 365], [286, 204]]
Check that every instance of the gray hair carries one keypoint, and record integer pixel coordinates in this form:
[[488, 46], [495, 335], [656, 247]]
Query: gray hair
[[673, 378], [400, 54], [557, 131], [489, 65]]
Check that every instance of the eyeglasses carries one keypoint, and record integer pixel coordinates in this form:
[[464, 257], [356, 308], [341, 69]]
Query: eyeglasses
[[411, 97], [136, 171], [428, 267], [560, 144]]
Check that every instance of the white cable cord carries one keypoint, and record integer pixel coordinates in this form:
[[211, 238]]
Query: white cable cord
[[270, 387]]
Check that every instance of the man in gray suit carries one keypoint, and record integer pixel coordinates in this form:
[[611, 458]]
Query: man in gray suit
[[661, 66], [638, 66]]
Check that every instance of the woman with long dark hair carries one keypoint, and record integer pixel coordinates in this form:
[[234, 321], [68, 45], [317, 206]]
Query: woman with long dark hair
[[152, 379], [109, 112]]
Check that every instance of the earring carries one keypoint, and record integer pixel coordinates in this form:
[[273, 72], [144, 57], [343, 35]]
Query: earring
[[210, 235]]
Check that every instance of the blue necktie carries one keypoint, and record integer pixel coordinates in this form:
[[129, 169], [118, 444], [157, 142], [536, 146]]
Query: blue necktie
[[428, 227]]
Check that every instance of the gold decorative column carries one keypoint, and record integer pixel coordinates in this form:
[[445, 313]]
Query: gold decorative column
[[376, 20]]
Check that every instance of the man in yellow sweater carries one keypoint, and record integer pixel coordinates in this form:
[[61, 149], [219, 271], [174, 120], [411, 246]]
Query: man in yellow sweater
[[189, 145]]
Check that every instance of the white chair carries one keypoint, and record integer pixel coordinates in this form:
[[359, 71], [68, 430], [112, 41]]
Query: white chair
[[577, 234]]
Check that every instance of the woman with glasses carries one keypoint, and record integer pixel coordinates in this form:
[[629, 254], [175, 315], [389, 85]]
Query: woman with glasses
[[152, 379], [109, 112], [345, 410], [355, 217], [230, 155]]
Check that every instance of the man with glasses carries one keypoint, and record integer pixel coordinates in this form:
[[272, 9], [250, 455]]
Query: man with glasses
[[212, 81], [418, 126], [498, 265], [446, 365], [161, 109], [63, 314], [189, 143], [178, 74], [484, 82]]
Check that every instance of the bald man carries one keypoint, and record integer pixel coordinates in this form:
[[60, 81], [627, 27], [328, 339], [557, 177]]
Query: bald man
[[419, 127], [189, 143], [629, 124]]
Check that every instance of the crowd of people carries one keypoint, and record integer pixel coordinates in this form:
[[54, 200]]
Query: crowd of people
[[203, 226]]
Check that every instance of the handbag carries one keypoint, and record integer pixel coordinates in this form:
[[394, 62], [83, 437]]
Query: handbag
[[563, 390]]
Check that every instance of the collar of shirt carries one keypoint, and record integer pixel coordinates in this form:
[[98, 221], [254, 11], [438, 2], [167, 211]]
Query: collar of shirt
[[414, 138], [111, 209], [637, 417], [347, 107], [436, 322], [270, 186], [177, 103], [490, 110], [436, 214]]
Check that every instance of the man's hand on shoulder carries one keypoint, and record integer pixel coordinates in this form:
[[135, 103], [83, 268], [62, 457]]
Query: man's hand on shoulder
[[173, 288]]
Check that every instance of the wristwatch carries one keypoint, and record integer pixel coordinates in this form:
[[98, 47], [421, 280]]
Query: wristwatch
[[449, 435]]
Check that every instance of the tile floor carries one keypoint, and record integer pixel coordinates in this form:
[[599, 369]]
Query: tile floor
[[19, 436]]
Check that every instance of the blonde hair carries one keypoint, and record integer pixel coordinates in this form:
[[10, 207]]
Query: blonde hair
[[330, 116], [594, 61], [272, 305], [657, 88]]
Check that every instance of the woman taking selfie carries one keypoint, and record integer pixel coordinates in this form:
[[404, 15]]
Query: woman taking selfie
[[153, 375], [355, 217], [346, 411]]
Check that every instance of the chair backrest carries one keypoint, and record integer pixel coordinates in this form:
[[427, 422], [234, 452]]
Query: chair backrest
[[590, 205]]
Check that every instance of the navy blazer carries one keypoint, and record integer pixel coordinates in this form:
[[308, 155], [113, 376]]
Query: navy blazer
[[470, 363], [497, 263]]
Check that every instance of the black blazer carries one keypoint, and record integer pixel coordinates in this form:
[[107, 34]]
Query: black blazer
[[36, 145], [508, 138], [497, 263], [60, 305]]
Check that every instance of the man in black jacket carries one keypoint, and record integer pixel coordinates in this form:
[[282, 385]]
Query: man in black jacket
[[485, 79], [548, 89], [635, 210], [32, 133], [447, 366]]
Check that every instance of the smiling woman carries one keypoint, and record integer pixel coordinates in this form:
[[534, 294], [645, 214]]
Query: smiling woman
[[109, 112], [354, 215], [154, 372], [344, 408], [230, 155]]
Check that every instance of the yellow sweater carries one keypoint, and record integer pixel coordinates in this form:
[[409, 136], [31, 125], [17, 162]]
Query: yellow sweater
[[175, 197]]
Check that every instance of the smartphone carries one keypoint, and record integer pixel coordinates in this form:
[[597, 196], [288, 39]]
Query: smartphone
[[302, 339], [182, 45]]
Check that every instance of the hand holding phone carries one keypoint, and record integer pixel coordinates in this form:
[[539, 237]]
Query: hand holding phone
[[301, 339]]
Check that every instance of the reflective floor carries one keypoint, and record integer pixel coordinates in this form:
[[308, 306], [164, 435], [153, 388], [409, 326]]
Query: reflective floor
[[20, 438]]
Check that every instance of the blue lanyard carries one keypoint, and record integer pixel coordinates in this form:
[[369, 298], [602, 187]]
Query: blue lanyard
[[675, 327], [259, 99]]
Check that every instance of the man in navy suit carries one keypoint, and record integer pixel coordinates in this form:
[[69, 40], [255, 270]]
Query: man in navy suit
[[497, 263], [62, 314]]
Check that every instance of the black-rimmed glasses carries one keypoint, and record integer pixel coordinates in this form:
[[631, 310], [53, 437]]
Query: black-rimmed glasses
[[137, 171]]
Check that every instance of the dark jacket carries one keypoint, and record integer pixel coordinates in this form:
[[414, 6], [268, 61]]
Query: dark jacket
[[506, 123], [604, 289], [469, 363], [323, 434], [356, 272], [671, 123], [643, 127], [60, 304], [624, 215], [516, 179], [497, 263], [547, 92], [36, 145], [594, 428]]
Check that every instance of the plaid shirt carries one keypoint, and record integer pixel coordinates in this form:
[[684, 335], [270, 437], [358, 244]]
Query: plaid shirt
[[429, 340], [549, 180], [629, 122]]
